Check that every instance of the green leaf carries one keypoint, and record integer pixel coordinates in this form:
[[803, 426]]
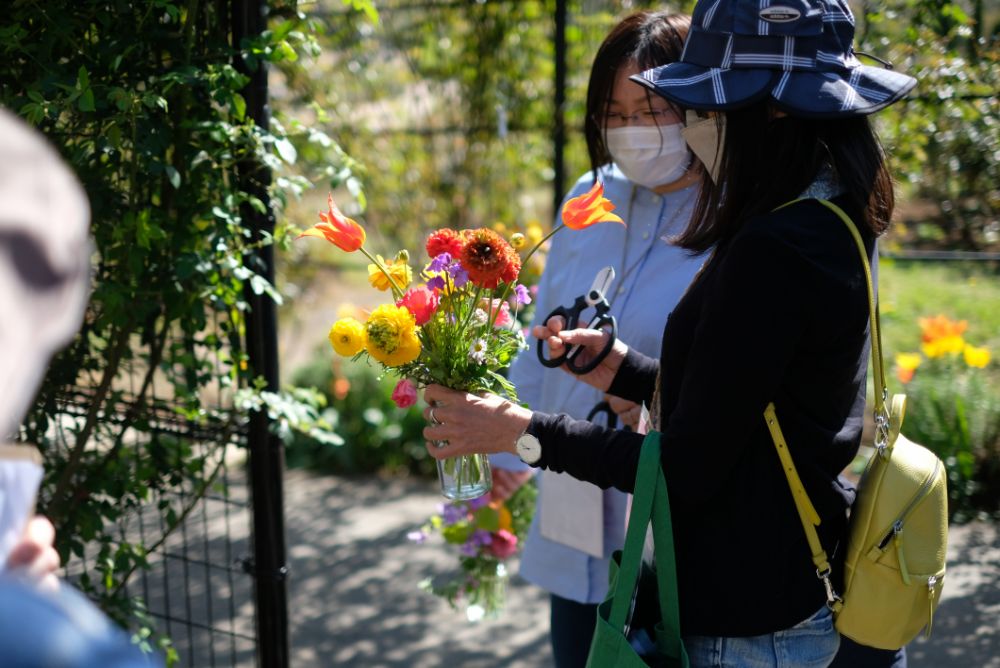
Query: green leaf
[[86, 101], [173, 176], [82, 79], [286, 150], [239, 106]]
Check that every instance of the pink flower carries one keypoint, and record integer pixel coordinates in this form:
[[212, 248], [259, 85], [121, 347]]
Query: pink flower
[[421, 302], [503, 545], [405, 393], [500, 308]]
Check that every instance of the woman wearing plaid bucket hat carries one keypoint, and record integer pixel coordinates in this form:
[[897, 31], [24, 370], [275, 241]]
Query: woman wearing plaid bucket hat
[[778, 314]]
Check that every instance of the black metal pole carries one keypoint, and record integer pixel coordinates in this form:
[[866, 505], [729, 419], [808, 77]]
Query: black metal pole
[[559, 120], [267, 456]]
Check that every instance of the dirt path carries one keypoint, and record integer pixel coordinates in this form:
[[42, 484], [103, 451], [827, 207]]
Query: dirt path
[[354, 599]]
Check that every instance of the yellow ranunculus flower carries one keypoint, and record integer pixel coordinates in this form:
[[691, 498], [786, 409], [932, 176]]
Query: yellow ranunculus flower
[[976, 357], [398, 269], [347, 337], [391, 335]]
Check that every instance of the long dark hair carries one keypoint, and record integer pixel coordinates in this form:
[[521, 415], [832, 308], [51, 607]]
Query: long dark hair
[[768, 160], [646, 37]]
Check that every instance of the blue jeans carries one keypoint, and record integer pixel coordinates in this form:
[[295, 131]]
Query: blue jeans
[[61, 630], [809, 644]]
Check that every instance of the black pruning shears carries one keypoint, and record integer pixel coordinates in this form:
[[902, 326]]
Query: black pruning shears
[[594, 298]]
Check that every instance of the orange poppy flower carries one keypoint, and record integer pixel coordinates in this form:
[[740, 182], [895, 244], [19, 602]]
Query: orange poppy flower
[[589, 209], [338, 229]]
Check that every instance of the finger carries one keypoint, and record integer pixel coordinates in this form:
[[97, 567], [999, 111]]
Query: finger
[[438, 394], [555, 324], [44, 564], [41, 531], [589, 338]]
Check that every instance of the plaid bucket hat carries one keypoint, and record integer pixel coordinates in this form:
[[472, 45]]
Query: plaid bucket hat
[[798, 52]]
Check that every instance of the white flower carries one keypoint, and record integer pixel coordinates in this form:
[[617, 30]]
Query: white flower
[[477, 351], [479, 317]]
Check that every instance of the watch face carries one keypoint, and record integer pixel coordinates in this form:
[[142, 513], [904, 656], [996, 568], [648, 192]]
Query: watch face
[[529, 449]]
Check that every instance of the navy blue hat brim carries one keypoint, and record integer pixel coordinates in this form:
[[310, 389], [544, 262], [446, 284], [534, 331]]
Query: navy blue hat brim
[[858, 91]]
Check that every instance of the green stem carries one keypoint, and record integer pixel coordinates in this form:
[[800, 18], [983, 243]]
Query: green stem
[[527, 257]]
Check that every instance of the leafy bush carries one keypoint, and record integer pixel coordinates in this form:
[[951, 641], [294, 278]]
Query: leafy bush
[[377, 436], [145, 102]]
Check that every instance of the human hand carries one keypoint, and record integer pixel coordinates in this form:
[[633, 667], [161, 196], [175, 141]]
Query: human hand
[[506, 482], [471, 423], [592, 342], [35, 557], [627, 411]]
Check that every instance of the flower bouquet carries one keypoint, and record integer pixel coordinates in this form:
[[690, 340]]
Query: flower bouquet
[[487, 533], [454, 323]]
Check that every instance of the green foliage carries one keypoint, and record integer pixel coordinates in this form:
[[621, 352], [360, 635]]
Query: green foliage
[[955, 411], [945, 139], [447, 110], [145, 101], [377, 436], [951, 408]]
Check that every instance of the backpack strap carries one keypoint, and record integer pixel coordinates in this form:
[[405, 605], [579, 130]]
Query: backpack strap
[[807, 512]]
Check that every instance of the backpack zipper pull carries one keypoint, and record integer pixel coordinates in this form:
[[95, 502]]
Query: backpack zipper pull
[[897, 529], [931, 583]]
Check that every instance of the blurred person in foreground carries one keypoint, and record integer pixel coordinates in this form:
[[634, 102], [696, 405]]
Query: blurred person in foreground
[[44, 282]]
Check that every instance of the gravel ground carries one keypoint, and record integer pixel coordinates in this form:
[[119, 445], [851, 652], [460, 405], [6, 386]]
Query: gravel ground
[[354, 599]]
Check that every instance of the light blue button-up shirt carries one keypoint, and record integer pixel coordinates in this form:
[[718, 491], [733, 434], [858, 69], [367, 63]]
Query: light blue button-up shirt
[[651, 277]]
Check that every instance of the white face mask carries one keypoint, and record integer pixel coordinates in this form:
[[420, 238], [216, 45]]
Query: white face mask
[[649, 155], [705, 140]]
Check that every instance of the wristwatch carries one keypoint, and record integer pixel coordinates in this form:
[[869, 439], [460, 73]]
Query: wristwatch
[[529, 449]]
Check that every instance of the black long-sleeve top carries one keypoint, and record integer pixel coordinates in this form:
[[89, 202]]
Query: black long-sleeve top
[[780, 314]]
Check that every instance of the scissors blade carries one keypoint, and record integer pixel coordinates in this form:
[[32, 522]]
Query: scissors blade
[[603, 280]]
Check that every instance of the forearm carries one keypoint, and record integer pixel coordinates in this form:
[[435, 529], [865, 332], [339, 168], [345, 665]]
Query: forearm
[[588, 452], [636, 378]]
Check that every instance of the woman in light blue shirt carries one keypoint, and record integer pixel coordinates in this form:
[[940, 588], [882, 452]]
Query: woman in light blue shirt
[[637, 151]]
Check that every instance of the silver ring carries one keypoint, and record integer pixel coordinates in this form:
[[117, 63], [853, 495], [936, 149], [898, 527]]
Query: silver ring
[[439, 444], [430, 416]]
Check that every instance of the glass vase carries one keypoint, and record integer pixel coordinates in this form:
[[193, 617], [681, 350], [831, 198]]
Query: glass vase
[[466, 477]]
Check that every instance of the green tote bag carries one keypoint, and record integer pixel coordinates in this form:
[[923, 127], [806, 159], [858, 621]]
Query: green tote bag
[[620, 624]]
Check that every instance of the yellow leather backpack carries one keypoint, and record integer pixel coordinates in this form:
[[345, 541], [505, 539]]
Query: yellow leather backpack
[[898, 530]]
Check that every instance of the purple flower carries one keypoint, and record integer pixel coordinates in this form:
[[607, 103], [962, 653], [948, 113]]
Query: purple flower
[[521, 295], [452, 513], [482, 537], [469, 550], [440, 263], [478, 502], [416, 536], [461, 276], [436, 283]]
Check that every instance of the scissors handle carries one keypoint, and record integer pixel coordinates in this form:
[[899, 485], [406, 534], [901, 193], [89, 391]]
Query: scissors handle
[[601, 321], [604, 407], [571, 316]]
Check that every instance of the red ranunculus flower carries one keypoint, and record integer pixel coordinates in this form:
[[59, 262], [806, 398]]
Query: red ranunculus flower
[[421, 302], [489, 259], [445, 240]]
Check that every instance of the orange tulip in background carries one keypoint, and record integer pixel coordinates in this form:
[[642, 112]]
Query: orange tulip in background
[[338, 229], [589, 209]]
